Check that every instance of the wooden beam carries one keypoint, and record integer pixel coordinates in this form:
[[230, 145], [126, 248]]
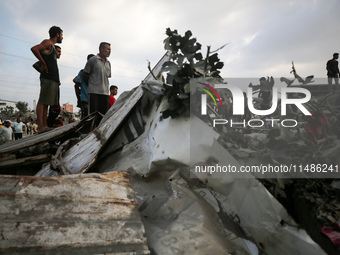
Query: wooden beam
[[23, 162]]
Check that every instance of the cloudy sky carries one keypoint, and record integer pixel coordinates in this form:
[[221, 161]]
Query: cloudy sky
[[264, 37]]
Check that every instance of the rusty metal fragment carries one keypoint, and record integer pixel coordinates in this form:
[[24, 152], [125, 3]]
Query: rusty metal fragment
[[74, 214]]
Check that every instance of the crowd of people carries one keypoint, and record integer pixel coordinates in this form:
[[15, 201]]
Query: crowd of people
[[16, 130], [91, 83]]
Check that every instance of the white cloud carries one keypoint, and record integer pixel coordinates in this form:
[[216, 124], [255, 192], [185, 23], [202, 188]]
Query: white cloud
[[248, 39]]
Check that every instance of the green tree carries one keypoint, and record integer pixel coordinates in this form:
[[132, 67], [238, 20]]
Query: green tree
[[7, 113], [186, 62], [22, 106]]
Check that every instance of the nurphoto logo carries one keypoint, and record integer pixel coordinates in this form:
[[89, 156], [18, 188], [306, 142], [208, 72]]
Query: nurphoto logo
[[239, 99]]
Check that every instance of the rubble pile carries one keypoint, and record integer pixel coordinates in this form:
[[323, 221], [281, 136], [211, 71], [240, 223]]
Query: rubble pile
[[311, 194], [149, 137]]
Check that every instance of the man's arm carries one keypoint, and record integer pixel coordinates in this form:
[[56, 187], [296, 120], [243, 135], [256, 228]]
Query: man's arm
[[37, 66], [85, 77], [77, 87], [46, 44], [328, 68], [87, 70]]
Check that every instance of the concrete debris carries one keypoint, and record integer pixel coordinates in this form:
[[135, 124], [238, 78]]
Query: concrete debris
[[81, 201]]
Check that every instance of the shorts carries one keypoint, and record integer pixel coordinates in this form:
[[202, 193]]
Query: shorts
[[49, 92], [17, 136]]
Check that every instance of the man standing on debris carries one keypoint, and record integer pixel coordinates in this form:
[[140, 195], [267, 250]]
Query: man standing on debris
[[6, 131], [37, 65], [96, 74], [113, 92], [18, 128], [49, 77], [332, 68], [81, 91], [54, 109], [266, 88]]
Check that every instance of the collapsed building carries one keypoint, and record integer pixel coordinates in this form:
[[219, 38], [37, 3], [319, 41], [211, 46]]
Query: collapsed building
[[129, 187]]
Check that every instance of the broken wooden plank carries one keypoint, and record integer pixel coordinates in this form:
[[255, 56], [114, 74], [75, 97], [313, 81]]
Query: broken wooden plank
[[72, 214], [57, 165], [4, 157], [23, 162], [80, 157]]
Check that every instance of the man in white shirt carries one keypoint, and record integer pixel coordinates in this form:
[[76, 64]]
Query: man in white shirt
[[6, 131], [18, 128]]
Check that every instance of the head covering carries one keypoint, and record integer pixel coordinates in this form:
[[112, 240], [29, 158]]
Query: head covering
[[8, 121]]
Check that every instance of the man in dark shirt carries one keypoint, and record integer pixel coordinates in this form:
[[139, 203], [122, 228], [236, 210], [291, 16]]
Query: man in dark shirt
[[49, 77], [333, 71], [54, 110]]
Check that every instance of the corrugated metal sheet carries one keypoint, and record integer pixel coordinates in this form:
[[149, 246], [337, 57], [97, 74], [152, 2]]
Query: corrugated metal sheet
[[74, 214]]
